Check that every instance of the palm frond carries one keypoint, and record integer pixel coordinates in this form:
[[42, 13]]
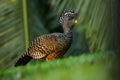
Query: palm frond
[[11, 32]]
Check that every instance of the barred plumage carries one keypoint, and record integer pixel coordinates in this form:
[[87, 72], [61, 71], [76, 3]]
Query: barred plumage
[[50, 46]]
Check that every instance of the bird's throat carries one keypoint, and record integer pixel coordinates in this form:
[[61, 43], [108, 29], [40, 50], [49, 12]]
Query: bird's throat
[[66, 28]]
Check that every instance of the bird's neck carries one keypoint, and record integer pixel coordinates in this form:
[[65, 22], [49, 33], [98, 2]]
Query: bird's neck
[[67, 34], [67, 30]]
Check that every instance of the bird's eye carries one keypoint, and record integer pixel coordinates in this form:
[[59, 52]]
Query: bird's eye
[[68, 15]]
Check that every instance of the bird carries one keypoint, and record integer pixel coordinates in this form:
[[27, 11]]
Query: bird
[[53, 45]]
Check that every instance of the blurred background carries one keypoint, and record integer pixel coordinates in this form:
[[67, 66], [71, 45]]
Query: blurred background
[[21, 21]]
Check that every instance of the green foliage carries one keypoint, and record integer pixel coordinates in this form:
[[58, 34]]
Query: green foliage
[[85, 67], [93, 32]]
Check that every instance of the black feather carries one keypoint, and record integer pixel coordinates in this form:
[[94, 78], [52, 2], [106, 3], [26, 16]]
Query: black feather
[[23, 60]]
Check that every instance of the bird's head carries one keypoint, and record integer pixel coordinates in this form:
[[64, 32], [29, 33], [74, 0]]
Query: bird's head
[[68, 17]]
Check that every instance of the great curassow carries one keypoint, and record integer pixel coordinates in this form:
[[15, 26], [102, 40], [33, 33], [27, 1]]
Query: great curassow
[[50, 46]]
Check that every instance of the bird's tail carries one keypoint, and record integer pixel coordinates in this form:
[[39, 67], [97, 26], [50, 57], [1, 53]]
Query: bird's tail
[[23, 60]]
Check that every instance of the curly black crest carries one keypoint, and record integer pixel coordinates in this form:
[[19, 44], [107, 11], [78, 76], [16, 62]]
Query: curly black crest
[[70, 14]]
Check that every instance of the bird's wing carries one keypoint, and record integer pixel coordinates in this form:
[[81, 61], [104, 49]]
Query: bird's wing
[[44, 45]]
